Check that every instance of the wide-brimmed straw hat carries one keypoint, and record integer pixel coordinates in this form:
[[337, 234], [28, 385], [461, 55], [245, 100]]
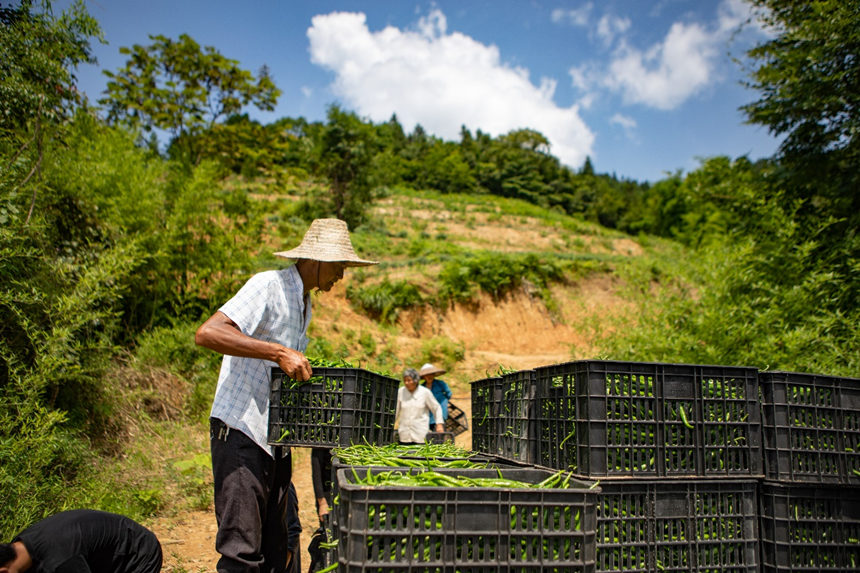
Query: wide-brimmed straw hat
[[428, 369], [327, 240]]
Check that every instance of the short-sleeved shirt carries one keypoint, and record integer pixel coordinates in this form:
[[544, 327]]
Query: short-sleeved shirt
[[271, 307], [413, 413], [440, 390], [90, 541]]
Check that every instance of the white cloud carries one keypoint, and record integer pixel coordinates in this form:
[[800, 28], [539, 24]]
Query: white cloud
[[731, 14], [442, 81], [575, 17], [583, 79], [307, 91], [623, 120], [666, 74], [608, 27], [627, 123], [739, 16]]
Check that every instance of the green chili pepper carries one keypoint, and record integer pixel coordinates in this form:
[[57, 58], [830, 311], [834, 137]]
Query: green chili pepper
[[573, 432], [684, 417]]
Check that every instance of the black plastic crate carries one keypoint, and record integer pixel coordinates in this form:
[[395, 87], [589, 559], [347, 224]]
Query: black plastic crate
[[439, 438], [517, 439], [640, 419], [811, 427], [466, 529], [678, 525], [809, 527], [507, 424], [336, 407], [486, 401], [457, 423]]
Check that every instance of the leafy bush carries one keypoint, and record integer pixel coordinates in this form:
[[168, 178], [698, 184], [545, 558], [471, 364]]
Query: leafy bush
[[40, 457], [441, 351], [496, 274], [385, 300], [172, 348], [321, 349], [762, 303]]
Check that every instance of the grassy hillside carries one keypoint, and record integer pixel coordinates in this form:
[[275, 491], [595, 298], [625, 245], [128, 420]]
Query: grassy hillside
[[418, 236]]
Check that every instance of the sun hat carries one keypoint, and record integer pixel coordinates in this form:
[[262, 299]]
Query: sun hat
[[428, 369], [327, 240]]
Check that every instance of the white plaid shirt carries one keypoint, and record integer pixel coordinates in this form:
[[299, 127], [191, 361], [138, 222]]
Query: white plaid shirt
[[268, 307]]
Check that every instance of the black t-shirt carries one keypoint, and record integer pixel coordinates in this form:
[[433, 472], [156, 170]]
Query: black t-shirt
[[90, 541]]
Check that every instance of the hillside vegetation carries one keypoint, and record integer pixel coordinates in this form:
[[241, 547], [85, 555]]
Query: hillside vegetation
[[493, 254]]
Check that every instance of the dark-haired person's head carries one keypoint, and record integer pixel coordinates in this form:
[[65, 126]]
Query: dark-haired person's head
[[7, 554]]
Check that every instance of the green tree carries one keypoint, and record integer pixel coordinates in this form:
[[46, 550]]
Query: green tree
[[38, 56], [60, 275], [177, 86], [246, 146], [345, 151], [808, 74]]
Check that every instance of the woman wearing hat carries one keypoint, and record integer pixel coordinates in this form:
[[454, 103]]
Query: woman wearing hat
[[439, 388], [264, 325]]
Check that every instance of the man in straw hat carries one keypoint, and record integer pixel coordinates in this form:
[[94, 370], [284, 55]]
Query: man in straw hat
[[265, 324]]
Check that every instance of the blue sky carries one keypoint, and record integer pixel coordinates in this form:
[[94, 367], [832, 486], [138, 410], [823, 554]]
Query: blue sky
[[644, 88]]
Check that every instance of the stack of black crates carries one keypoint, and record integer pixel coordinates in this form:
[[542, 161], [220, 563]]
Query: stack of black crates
[[810, 499], [676, 449], [442, 528], [336, 407]]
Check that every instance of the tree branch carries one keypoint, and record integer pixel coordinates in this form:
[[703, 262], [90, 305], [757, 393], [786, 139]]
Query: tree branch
[[36, 168]]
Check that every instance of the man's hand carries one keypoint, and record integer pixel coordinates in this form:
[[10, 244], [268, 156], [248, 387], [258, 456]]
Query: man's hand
[[323, 505], [221, 334], [440, 427], [294, 364]]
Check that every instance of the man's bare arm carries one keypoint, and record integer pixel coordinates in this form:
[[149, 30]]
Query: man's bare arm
[[221, 334]]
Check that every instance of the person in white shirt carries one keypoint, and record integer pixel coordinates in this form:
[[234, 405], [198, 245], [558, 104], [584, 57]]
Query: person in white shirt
[[414, 405], [264, 325]]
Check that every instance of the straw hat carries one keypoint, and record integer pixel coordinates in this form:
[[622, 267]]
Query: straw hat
[[428, 369], [327, 240]]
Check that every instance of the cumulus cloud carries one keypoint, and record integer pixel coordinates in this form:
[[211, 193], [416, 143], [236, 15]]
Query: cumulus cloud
[[667, 73], [442, 81], [731, 14]]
